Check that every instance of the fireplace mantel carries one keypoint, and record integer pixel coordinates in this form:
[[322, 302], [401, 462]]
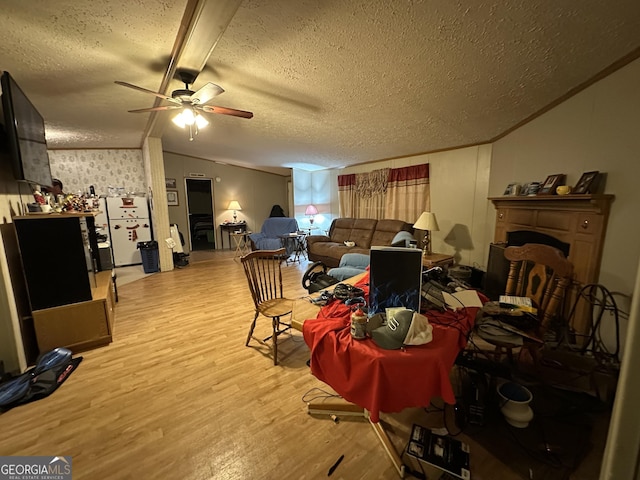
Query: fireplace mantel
[[579, 220], [584, 203]]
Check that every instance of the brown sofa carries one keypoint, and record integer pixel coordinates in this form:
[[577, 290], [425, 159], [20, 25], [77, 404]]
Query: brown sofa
[[365, 232]]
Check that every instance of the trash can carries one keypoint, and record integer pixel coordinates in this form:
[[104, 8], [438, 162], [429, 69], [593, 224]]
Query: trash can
[[149, 254]]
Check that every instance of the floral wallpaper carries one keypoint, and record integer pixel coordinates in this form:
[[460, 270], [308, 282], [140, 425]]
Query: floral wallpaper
[[78, 169]]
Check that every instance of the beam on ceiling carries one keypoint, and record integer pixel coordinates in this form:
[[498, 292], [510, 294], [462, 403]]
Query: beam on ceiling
[[203, 24]]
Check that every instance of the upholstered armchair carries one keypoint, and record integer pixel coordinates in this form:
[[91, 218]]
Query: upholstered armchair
[[270, 235]]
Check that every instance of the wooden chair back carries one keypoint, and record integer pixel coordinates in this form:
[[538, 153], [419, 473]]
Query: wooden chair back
[[264, 275], [541, 273]]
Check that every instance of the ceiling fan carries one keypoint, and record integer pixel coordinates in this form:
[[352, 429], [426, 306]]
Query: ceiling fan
[[189, 103]]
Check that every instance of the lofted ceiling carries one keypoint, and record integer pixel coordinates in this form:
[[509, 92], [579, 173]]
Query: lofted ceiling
[[331, 83]]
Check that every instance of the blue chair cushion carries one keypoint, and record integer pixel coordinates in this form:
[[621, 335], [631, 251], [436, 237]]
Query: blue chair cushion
[[351, 264], [357, 260], [402, 239]]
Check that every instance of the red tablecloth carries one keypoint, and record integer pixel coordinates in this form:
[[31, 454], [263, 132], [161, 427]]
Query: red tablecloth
[[385, 380]]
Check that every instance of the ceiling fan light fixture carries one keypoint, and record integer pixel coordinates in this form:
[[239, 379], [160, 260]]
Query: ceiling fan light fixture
[[201, 122], [179, 121], [187, 117]]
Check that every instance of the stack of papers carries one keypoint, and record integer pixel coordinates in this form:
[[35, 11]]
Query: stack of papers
[[462, 299], [517, 303]]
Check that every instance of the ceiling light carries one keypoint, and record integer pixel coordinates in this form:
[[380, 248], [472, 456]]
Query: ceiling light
[[188, 117]]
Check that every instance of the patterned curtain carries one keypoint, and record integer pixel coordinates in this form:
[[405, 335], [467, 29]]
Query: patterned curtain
[[398, 193], [371, 188], [362, 195], [408, 193], [347, 195]]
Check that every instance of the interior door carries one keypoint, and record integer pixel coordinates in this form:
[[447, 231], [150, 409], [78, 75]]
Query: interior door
[[202, 231]]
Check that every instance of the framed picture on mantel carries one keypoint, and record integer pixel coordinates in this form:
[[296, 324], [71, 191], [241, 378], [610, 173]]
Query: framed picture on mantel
[[550, 184], [586, 182]]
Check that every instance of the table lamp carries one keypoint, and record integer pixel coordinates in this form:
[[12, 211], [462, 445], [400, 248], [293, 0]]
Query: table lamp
[[235, 206], [428, 223], [311, 211]]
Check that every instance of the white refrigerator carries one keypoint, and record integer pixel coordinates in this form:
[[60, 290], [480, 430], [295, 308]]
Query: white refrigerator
[[129, 224]]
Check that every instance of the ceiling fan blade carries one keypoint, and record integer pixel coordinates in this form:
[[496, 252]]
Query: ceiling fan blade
[[206, 93], [225, 111], [155, 109], [140, 89]]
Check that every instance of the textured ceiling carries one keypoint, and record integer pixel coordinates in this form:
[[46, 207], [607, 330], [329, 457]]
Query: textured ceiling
[[331, 82]]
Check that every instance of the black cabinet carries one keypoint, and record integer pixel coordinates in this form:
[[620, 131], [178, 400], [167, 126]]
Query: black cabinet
[[56, 258]]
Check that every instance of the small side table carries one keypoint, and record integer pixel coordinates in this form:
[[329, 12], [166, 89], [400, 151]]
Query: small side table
[[230, 228], [437, 260], [241, 242], [299, 248], [309, 230]]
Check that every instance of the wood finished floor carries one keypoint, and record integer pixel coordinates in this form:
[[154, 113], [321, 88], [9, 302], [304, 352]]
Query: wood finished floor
[[178, 395]]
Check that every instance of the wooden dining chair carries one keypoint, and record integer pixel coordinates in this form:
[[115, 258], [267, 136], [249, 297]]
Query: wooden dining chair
[[543, 274], [264, 275]]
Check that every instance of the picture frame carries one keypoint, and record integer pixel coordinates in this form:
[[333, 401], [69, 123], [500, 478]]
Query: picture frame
[[172, 198], [550, 184], [512, 189], [170, 183], [586, 182], [533, 188]]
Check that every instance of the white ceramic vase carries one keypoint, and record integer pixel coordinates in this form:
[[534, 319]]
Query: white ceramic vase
[[514, 404]]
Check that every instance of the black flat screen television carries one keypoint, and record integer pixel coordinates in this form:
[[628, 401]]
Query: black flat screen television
[[24, 135]]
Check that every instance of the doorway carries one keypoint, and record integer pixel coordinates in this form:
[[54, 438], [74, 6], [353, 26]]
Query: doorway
[[202, 231]]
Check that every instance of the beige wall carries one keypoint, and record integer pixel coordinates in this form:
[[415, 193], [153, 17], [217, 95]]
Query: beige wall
[[598, 129], [256, 192], [459, 182]]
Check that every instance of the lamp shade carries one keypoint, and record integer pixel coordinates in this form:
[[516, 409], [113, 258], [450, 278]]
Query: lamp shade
[[311, 210], [234, 205], [427, 221]]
